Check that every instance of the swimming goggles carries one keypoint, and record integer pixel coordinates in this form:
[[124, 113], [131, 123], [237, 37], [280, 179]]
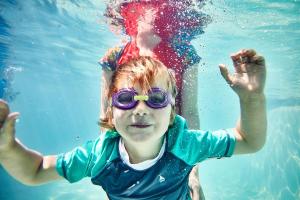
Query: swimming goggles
[[127, 98]]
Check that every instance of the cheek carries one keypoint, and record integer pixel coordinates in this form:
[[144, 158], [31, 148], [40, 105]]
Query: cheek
[[118, 116], [164, 115]]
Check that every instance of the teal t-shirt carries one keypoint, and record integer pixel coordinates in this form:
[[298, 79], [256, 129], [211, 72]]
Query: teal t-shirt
[[100, 160]]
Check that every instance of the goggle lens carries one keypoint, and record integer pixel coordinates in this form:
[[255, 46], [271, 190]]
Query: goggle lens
[[125, 98], [157, 99], [128, 98]]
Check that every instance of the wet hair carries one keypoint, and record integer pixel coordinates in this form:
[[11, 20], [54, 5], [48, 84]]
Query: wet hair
[[142, 71]]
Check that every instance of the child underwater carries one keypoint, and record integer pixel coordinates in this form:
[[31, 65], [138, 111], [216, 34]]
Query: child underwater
[[149, 151], [162, 29]]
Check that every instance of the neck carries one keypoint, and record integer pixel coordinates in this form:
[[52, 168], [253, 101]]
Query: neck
[[146, 52], [146, 46], [142, 151]]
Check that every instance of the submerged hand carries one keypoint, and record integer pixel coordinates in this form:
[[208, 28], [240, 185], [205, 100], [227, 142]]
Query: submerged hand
[[7, 126], [250, 73]]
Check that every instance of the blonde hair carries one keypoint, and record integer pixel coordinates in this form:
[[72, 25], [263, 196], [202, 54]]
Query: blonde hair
[[142, 70]]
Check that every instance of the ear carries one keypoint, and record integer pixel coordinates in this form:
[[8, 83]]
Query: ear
[[110, 115], [113, 121]]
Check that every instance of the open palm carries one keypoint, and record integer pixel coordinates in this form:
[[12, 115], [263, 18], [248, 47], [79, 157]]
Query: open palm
[[250, 73]]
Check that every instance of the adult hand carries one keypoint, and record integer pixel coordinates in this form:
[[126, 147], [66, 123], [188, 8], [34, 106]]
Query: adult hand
[[7, 126], [250, 74]]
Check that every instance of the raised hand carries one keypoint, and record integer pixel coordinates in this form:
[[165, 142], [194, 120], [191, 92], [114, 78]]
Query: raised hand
[[250, 73], [7, 126]]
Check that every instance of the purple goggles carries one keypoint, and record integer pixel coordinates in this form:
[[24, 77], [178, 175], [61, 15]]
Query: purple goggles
[[127, 98]]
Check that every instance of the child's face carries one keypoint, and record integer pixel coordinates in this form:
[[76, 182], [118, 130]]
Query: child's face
[[142, 123]]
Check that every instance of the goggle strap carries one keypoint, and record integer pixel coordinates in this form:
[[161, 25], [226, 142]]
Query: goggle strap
[[172, 100]]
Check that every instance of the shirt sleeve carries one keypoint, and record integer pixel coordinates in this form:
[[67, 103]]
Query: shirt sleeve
[[222, 143], [194, 146], [210, 144], [75, 164], [185, 50], [110, 59]]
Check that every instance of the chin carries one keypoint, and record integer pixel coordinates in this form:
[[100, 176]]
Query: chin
[[140, 135]]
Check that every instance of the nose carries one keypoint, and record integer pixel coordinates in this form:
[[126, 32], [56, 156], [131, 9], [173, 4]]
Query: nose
[[141, 109]]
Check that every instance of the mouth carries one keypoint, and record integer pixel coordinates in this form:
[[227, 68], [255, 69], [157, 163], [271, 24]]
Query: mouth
[[140, 125]]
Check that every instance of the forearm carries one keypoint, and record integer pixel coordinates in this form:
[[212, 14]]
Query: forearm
[[252, 125], [21, 162]]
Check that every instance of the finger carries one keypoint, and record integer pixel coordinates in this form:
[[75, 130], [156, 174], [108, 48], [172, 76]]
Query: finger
[[9, 124], [237, 61], [225, 73], [249, 52], [4, 111], [259, 60], [246, 55], [257, 64]]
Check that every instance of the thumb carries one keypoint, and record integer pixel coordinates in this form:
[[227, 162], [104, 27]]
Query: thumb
[[225, 73], [4, 111]]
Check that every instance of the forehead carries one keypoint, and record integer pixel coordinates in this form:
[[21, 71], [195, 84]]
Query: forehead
[[160, 80]]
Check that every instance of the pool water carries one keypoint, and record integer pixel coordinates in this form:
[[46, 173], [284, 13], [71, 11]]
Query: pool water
[[49, 73]]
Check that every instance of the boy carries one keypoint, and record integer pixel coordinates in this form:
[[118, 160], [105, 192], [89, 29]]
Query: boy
[[162, 29], [148, 152]]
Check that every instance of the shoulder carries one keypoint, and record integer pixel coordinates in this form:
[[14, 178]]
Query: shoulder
[[105, 150], [104, 143], [177, 133], [181, 140], [185, 50]]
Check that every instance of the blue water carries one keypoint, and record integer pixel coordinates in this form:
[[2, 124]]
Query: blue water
[[48, 72]]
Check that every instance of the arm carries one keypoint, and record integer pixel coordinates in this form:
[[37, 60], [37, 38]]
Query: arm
[[190, 97], [251, 128], [27, 166], [248, 83]]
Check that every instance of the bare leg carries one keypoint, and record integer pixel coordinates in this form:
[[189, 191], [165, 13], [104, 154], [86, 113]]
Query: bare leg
[[194, 185], [190, 99], [190, 113]]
